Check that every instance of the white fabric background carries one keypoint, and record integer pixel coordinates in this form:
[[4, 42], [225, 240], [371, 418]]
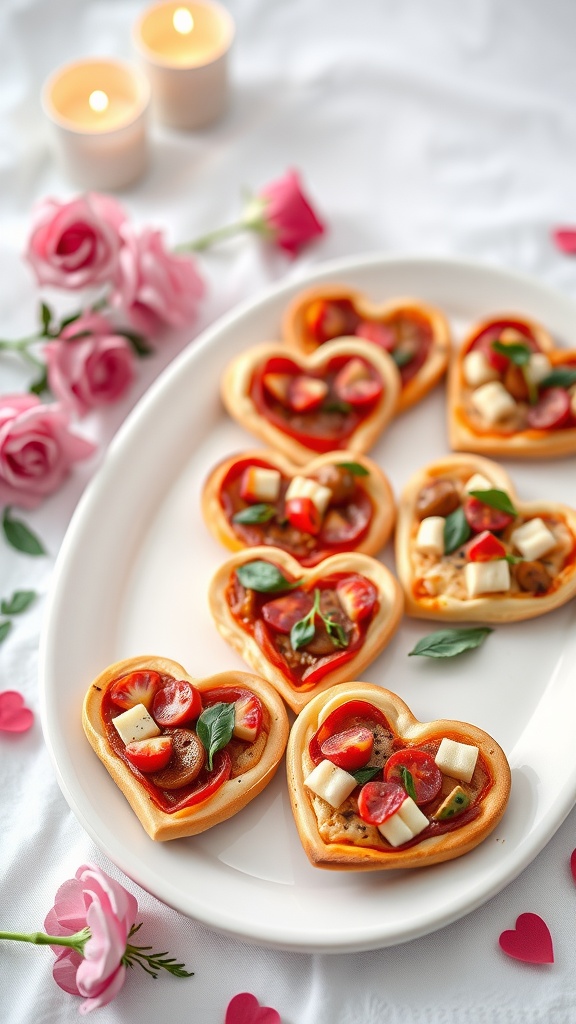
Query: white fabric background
[[425, 128]]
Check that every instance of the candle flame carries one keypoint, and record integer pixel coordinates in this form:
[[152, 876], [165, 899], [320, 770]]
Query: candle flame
[[98, 101], [183, 21]]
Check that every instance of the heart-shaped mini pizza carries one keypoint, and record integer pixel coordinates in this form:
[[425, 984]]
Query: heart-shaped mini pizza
[[186, 753], [416, 335], [305, 629], [338, 502], [373, 788], [341, 396], [468, 549], [510, 392]]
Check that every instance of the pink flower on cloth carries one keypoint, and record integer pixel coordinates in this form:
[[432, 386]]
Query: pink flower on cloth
[[288, 214], [245, 1009], [76, 244], [89, 364], [155, 286], [37, 449], [92, 900]]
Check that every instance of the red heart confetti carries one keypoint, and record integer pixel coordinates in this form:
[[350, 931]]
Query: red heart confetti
[[565, 240], [14, 715], [245, 1009], [531, 941]]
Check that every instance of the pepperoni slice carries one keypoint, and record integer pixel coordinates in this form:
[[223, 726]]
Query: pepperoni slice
[[425, 773], [378, 801], [482, 517], [551, 411], [284, 612]]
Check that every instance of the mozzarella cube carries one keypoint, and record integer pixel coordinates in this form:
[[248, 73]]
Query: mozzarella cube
[[539, 367], [405, 824], [458, 760], [430, 538], [477, 482], [477, 370], [533, 539], [304, 487], [260, 484], [493, 402], [135, 724], [331, 783], [487, 577]]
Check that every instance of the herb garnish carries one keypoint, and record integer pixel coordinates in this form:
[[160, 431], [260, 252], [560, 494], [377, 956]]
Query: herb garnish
[[519, 354], [215, 727], [401, 357], [456, 530], [264, 577], [446, 643], [408, 781], [561, 377], [496, 499], [303, 631], [354, 468], [259, 513], [363, 775]]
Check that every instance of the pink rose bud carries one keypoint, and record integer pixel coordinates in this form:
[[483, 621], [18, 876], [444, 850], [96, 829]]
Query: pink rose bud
[[37, 449], [91, 370], [76, 244], [288, 214]]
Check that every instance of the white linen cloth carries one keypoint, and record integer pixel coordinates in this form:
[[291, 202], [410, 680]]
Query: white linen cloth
[[418, 128]]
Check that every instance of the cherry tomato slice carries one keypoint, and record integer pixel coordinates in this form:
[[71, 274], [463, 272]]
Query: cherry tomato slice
[[150, 755], [306, 393], [176, 703], [482, 517], [551, 411], [350, 749], [284, 612], [357, 384], [378, 333], [425, 773], [358, 596], [485, 547], [327, 319], [135, 688], [304, 515], [248, 718], [378, 801]]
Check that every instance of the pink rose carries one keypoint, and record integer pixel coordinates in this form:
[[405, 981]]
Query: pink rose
[[155, 286], [76, 244], [288, 214], [84, 372], [36, 449], [92, 900]]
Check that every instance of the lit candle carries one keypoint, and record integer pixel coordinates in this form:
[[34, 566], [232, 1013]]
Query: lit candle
[[98, 112], [185, 47]]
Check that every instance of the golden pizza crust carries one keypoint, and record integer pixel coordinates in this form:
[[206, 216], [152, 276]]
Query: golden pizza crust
[[375, 484], [379, 632], [492, 607], [233, 795], [342, 856], [236, 382], [295, 334]]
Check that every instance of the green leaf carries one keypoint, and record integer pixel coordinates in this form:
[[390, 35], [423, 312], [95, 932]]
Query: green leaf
[[68, 320], [260, 513], [335, 405], [517, 353], [513, 559], [401, 357], [335, 632], [408, 781], [561, 377], [264, 577], [363, 775], [302, 633], [138, 342], [446, 643], [354, 468], [456, 530], [40, 384], [79, 335], [45, 319], [215, 727], [5, 628], [496, 499], [19, 536], [19, 602]]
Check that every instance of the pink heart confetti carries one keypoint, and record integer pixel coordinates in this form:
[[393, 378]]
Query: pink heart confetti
[[14, 715], [245, 1009], [530, 941], [573, 864], [565, 240]]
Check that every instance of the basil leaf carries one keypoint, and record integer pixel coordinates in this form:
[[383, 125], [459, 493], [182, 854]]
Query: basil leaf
[[363, 775], [214, 728], [446, 643], [408, 782], [496, 499], [264, 577], [354, 468], [561, 377], [5, 628], [513, 559], [302, 633], [20, 537], [456, 530], [335, 632], [18, 602], [260, 513], [401, 357], [518, 353], [335, 405]]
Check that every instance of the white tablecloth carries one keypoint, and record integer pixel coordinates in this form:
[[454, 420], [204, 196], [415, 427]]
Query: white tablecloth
[[419, 128]]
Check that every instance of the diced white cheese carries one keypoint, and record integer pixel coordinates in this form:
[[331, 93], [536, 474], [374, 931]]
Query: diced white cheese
[[407, 822], [487, 577], [533, 539], [430, 538], [493, 402], [539, 366], [458, 760], [262, 484], [135, 724], [331, 783], [304, 487], [477, 370], [477, 482]]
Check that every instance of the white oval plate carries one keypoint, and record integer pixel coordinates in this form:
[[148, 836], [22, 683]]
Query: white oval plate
[[132, 578]]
